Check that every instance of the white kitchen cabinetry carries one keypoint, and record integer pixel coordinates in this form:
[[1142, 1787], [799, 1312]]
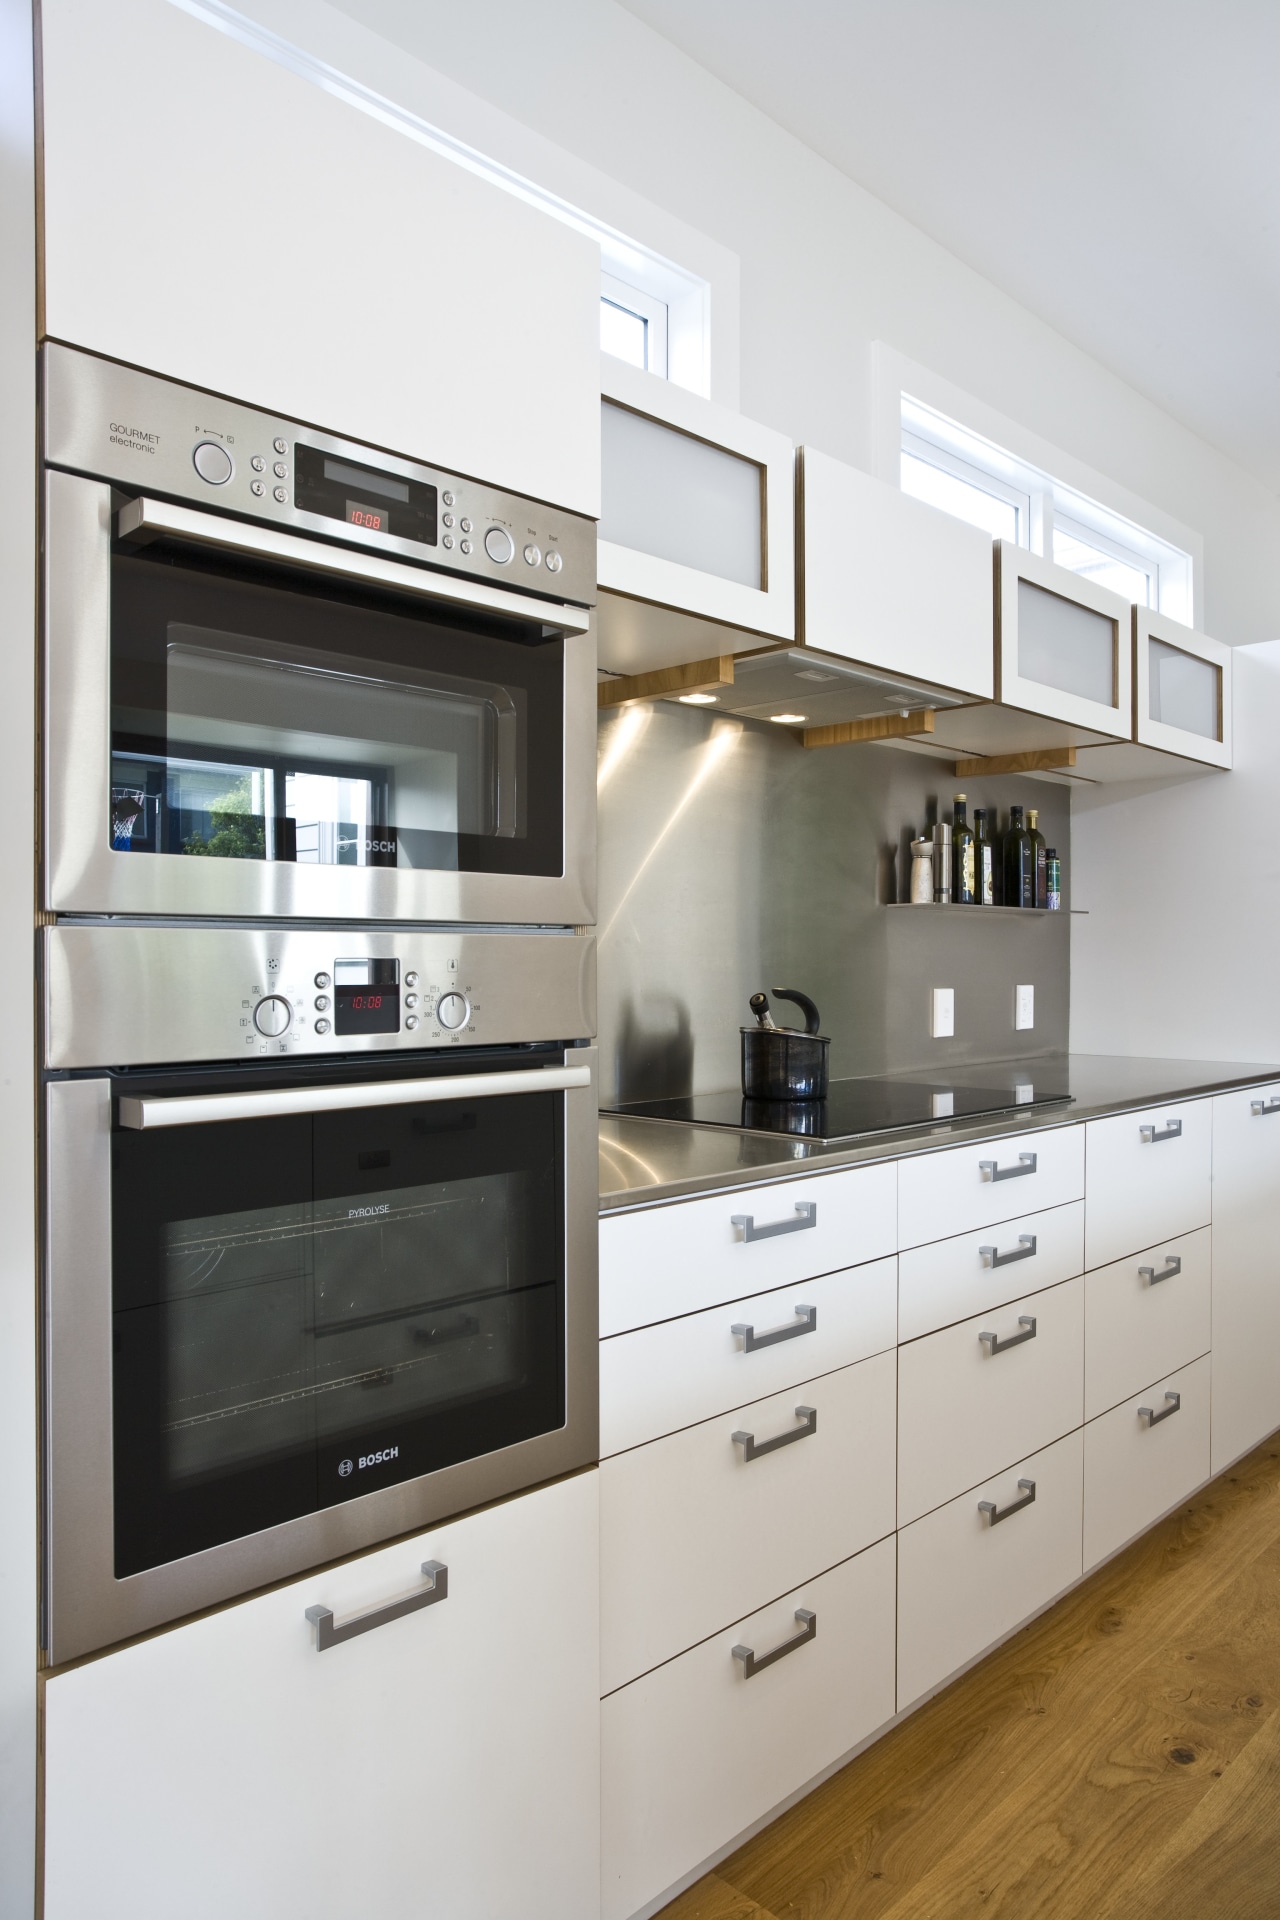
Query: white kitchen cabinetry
[[1182, 689], [445, 1762], [947, 1280], [1246, 1270], [1145, 1316], [703, 1746], [705, 1524], [1148, 1178], [697, 542], [1063, 645], [1144, 1456], [891, 582], [978, 1395], [942, 1194], [302, 255], [971, 1571], [664, 1377], [673, 1260]]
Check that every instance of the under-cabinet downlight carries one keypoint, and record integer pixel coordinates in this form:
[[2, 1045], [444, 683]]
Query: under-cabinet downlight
[[788, 719], [697, 699]]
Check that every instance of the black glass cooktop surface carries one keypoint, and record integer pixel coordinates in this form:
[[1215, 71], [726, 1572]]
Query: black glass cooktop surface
[[854, 1108]]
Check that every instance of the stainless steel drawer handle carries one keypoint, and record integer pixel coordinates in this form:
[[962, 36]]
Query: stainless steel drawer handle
[[753, 1448], [991, 1171], [992, 1256], [1169, 1131], [1172, 1265], [806, 1321], [806, 1216], [993, 1514], [327, 1635], [994, 1344], [1150, 1418], [1264, 1106], [752, 1665]]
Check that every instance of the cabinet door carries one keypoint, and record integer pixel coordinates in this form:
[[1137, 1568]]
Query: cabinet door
[[964, 1582], [1147, 1178], [1182, 689], [302, 255], [1063, 646], [891, 582], [1142, 1457], [702, 1526], [948, 1280], [947, 1193], [1246, 1270], [1145, 1316], [697, 1751], [445, 1762]]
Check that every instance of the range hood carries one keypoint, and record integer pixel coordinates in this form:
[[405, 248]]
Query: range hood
[[798, 687]]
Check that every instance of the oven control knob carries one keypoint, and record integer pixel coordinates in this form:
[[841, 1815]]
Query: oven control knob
[[452, 1010], [499, 545], [212, 463], [272, 1016]]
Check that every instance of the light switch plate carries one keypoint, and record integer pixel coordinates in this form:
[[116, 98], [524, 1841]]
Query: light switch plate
[[1024, 1008], [942, 1022]]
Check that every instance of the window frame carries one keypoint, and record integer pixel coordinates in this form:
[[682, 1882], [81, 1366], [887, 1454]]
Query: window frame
[[647, 307], [980, 478]]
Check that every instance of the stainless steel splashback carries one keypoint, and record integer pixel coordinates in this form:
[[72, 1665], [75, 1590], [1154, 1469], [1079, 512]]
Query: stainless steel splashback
[[732, 859]]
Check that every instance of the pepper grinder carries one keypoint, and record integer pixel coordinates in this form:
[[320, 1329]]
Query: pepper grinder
[[942, 863], [922, 873]]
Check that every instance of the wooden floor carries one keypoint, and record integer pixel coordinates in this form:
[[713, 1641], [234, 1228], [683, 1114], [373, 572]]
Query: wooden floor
[[1118, 1757]]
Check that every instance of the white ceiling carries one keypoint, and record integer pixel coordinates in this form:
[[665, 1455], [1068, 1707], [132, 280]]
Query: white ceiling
[[1112, 164]]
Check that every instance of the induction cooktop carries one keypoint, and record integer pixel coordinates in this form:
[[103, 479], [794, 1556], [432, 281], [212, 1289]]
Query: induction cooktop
[[855, 1108]]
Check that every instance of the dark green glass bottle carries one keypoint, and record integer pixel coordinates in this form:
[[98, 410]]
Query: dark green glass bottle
[[984, 859], [963, 877], [1039, 852], [1019, 863]]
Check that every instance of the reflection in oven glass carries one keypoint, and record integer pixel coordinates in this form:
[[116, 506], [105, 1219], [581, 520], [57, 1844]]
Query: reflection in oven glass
[[290, 1327]]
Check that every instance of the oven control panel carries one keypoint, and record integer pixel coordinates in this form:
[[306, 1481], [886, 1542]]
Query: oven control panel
[[144, 433], [141, 995]]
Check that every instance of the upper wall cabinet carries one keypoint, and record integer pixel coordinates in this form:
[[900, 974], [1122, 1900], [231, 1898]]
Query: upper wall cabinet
[[1062, 645], [210, 215], [891, 582], [1181, 690], [697, 546]]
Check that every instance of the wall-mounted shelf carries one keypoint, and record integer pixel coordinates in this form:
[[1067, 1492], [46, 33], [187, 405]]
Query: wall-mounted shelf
[[956, 906]]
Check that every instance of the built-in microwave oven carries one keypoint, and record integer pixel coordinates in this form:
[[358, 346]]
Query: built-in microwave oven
[[287, 676], [320, 1259]]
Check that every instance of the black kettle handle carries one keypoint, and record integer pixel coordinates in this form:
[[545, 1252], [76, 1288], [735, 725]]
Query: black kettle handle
[[805, 1004]]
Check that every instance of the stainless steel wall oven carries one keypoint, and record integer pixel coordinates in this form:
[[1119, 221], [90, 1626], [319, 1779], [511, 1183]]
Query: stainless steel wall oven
[[293, 677], [324, 1292]]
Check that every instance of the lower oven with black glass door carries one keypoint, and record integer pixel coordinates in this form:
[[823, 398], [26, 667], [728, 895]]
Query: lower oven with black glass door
[[321, 1267]]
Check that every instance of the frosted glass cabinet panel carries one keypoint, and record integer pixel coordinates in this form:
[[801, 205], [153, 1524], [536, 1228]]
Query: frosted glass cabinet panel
[[1063, 645], [1182, 689], [697, 528]]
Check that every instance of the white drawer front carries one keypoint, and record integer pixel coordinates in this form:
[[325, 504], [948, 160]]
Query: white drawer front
[[967, 1407], [698, 1529], [1246, 1270], [950, 1279], [1144, 1316], [1147, 1178], [1137, 1467], [963, 1583], [695, 1752], [941, 1194], [669, 1260], [661, 1378]]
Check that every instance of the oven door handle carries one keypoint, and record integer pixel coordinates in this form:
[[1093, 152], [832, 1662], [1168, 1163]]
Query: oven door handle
[[144, 519], [198, 1109]]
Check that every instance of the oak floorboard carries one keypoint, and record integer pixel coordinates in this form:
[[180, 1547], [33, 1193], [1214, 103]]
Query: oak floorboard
[[1068, 1759], [712, 1898]]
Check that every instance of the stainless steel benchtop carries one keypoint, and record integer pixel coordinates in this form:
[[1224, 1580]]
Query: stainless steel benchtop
[[646, 1162]]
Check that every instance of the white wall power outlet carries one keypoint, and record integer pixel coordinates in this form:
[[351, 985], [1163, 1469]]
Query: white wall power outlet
[[942, 1013], [1024, 1008]]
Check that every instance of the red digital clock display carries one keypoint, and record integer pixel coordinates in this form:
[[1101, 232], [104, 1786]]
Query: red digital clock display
[[361, 1009], [374, 518]]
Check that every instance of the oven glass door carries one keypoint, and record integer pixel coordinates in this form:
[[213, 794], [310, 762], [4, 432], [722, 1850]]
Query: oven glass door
[[309, 1308], [261, 715]]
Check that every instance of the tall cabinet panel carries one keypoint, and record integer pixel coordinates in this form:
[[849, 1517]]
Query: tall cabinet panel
[[445, 1762], [211, 215], [1246, 1270]]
